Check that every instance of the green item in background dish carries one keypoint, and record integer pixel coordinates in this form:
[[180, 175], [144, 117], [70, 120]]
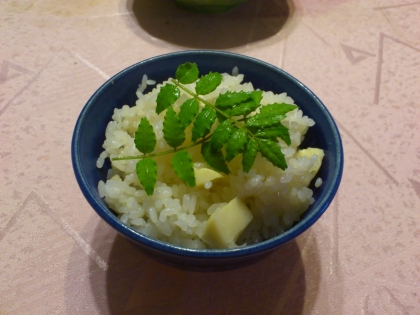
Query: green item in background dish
[[209, 6]]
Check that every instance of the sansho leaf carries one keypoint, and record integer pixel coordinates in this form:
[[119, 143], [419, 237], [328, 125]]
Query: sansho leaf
[[220, 135], [257, 96], [279, 131], [236, 143], [183, 167], [248, 106], [146, 170], [249, 155], [173, 129], [187, 73], [214, 158], [221, 117], [229, 99], [188, 111], [277, 109], [270, 115], [203, 123], [244, 108], [145, 138], [208, 83], [272, 152], [167, 95], [263, 120]]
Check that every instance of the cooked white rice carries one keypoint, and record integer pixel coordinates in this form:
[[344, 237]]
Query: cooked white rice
[[176, 213]]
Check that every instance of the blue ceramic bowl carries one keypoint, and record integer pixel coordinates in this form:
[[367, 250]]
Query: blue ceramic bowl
[[89, 134]]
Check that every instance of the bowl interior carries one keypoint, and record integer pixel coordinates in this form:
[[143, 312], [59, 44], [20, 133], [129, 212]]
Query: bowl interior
[[89, 134]]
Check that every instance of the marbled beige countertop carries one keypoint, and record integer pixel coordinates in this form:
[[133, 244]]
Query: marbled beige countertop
[[362, 58]]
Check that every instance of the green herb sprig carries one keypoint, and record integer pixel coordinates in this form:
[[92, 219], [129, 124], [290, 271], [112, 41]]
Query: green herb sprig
[[236, 133]]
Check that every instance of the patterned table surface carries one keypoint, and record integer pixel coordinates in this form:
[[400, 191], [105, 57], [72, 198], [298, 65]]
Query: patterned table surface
[[362, 58]]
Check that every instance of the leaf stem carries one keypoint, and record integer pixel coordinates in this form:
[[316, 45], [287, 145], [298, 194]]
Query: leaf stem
[[139, 157]]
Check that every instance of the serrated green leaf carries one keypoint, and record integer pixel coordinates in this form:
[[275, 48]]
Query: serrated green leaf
[[173, 130], [208, 83], [214, 158], [183, 167], [146, 170], [236, 143], [203, 123], [167, 95], [250, 153], [187, 73], [220, 135], [188, 111], [145, 138], [270, 115], [257, 96], [277, 109], [263, 120], [272, 152], [279, 131], [229, 99], [220, 117], [249, 106], [244, 108]]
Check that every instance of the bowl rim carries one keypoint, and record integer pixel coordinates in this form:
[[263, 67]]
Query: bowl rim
[[160, 246]]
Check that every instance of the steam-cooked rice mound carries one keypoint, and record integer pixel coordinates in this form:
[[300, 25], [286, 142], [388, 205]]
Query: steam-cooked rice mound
[[176, 213]]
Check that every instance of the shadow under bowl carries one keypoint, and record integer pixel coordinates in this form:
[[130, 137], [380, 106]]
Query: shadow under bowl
[[89, 135]]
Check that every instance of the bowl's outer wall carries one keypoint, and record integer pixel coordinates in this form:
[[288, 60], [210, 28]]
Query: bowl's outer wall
[[89, 136]]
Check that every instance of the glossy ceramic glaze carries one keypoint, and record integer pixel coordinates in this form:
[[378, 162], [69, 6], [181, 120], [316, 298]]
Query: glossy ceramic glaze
[[89, 134]]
